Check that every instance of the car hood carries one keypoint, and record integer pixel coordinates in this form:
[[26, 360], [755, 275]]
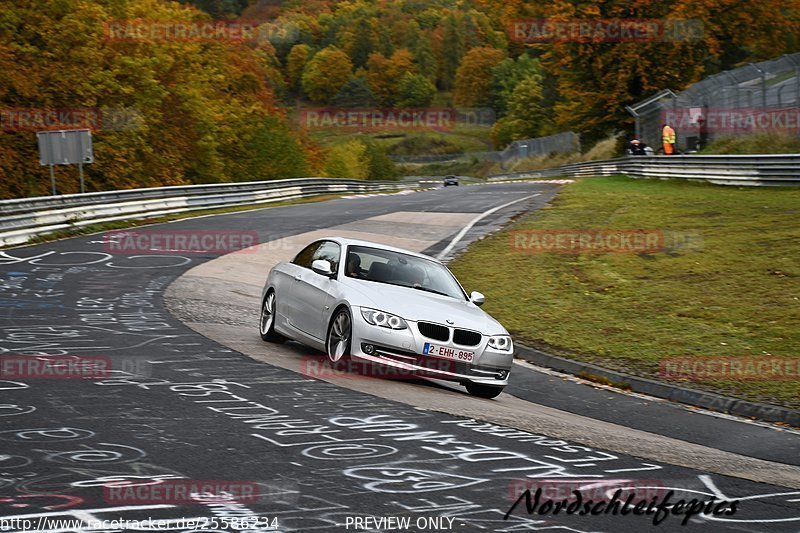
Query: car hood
[[415, 305]]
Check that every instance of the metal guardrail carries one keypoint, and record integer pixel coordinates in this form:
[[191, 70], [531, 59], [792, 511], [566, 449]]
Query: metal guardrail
[[748, 170], [25, 218]]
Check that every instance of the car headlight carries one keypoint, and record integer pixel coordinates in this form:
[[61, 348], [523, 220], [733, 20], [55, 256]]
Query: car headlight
[[501, 343], [383, 319]]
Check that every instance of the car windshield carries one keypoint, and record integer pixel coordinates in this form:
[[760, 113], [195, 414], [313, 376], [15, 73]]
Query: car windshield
[[403, 270]]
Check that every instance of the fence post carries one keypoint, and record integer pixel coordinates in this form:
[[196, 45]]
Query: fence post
[[797, 85], [636, 121], [763, 84]]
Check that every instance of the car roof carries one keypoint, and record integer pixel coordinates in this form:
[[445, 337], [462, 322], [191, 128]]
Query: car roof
[[357, 242]]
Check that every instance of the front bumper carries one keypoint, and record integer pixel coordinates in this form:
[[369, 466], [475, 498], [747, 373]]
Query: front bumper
[[403, 350]]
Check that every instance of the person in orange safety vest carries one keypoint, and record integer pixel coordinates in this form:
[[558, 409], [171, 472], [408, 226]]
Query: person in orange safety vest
[[668, 137]]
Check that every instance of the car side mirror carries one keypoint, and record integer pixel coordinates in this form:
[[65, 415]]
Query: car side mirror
[[477, 298], [322, 267]]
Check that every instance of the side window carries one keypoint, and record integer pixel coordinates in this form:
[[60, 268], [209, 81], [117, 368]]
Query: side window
[[330, 251], [306, 256]]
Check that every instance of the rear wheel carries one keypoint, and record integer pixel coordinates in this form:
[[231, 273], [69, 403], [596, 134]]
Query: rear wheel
[[339, 337], [266, 325], [483, 391]]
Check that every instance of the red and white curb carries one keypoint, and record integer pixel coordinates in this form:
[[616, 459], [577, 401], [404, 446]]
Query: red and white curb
[[558, 182], [371, 195]]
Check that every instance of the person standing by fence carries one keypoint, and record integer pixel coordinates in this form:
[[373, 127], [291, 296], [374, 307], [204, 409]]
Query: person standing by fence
[[668, 137]]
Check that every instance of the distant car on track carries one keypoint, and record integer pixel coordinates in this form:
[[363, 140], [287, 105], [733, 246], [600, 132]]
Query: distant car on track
[[380, 304], [450, 180]]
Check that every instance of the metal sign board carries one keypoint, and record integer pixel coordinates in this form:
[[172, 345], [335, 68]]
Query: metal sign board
[[65, 147]]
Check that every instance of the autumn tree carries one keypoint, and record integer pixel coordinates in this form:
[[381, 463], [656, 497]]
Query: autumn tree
[[525, 117], [354, 93], [219, 9], [474, 77], [507, 74], [596, 80], [295, 63], [414, 90], [362, 43], [384, 74], [276, 152], [348, 160], [420, 45], [452, 51], [381, 167], [171, 111], [325, 74]]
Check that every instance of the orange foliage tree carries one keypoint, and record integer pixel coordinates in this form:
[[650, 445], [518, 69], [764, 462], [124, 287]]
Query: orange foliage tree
[[384, 74], [473, 84], [595, 80], [169, 111]]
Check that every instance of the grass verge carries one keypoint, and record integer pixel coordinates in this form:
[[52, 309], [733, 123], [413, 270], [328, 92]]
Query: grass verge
[[737, 294], [760, 143], [605, 149]]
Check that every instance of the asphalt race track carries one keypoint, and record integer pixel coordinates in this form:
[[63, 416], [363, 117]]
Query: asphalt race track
[[194, 399]]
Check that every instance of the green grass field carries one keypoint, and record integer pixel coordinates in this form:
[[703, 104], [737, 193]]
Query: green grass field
[[733, 292], [760, 143], [458, 140]]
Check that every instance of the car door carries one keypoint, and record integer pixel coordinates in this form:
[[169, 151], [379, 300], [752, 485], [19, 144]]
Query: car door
[[287, 290], [312, 292]]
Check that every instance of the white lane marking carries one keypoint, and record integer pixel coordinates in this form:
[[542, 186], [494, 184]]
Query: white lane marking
[[474, 221], [691, 409]]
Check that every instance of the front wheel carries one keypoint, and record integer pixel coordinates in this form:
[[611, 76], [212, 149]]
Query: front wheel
[[339, 337], [483, 391], [266, 326]]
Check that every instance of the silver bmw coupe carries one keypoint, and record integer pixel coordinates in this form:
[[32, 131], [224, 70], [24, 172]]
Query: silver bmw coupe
[[363, 301]]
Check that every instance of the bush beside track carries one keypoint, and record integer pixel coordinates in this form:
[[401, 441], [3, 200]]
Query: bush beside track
[[735, 296]]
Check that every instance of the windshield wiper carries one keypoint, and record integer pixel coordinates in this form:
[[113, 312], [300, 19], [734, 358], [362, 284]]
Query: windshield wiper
[[434, 291]]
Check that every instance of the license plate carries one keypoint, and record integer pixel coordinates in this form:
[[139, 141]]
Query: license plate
[[448, 353]]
